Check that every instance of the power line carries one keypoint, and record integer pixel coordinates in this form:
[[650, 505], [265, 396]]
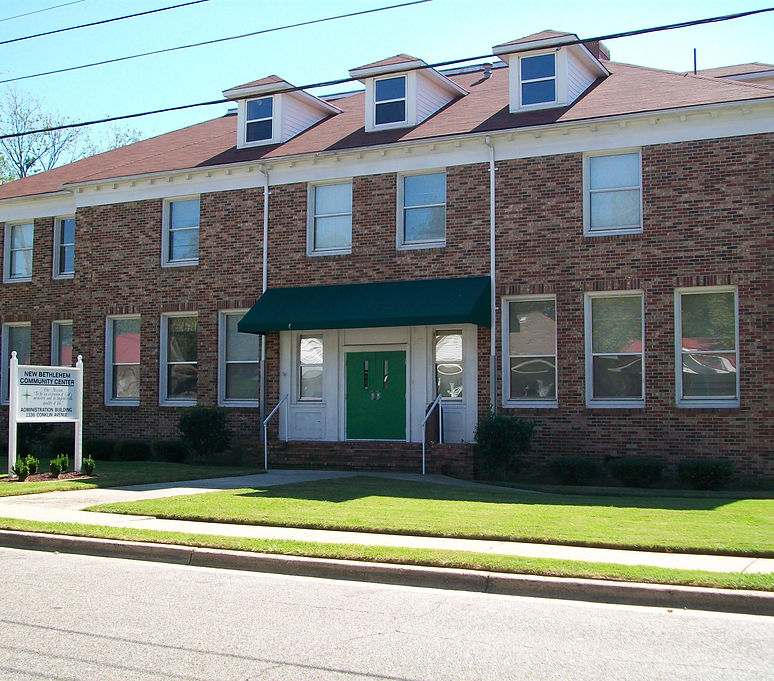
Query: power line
[[609, 36], [103, 21], [211, 42], [45, 9]]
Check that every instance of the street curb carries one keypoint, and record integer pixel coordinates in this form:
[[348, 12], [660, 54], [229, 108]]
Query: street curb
[[598, 591]]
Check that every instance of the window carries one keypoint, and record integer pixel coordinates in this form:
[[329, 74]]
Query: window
[[181, 232], [612, 195], [62, 344], [310, 369], [390, 100], [330, 218], [422, 210], [614, 350], [18, 252], [239, 363], [258, 119], [122, 361], [530, 352], [64, 248], [538, 79], [707, 348], [179, 367], [448, 364], [15, 337]]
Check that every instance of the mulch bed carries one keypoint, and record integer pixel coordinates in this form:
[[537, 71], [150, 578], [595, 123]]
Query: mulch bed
[[47, 477]]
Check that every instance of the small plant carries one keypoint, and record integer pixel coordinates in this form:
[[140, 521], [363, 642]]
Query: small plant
[[173, 451], [205, 431], [55, 466], [32, 464], [500, 440], [574, 470], [131, 450], [64, 459], [20, 470], [88, 465], [636, 471], [705, 473]]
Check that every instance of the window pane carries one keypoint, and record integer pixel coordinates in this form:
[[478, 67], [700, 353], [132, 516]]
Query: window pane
[[184, 214], [311, 351], [21, 263], [708, 321], [333, 198], [311, 382], [242, 381], [240, 346], [19, 340], [261, 130], [65, 344], [616, 324], [126, 341], [542, 66], [66, 259], [538, 92], [425, 224], [259, 108], [126, 382], [390, 88], [619, 376], [532, 327], [391, 112], [184, 244], [181, 346], [614, 209], [448, 347], [618, 170], [181, 381], [533, 378], [333, 232], [21, 236], [706, 375], [68, 231], [423, 190], [449, 380]]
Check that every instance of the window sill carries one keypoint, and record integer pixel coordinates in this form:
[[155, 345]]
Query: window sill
[[180, 263], [615, 404], [418, 245], [122, 403], [177, 403], [227, 404], [617, 231], [531, 404], [708, 404], [18, 280], [320, 254], [65, 275]]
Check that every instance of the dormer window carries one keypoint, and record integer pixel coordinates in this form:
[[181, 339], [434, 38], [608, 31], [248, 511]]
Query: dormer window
[[258, 119], [538, 79], [390, 100]]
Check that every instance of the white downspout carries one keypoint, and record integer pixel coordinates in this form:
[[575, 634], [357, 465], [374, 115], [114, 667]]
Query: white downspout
[[264, 285], [492, 296]]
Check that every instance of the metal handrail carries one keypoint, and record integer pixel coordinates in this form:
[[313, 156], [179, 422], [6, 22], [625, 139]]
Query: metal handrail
[[266, 431], [436, 403]]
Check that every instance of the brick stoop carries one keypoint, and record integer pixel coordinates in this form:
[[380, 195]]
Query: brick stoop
[[396, 457]]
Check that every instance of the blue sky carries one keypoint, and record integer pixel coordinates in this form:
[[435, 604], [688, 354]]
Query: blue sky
[[435, 31]]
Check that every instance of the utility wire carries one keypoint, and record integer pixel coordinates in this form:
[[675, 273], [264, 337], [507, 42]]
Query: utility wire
[[211, 42], [45, 9], [103, 21], [610, 36]]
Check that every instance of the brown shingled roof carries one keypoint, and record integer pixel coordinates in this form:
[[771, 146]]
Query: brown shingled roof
[[390, 61], [542, 35], [257, 83], [738, 70]]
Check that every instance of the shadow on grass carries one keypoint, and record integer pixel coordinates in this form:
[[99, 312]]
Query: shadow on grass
[[339, 490]]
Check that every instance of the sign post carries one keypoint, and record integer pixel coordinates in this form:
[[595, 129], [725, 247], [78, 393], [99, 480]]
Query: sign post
[[41, 394]]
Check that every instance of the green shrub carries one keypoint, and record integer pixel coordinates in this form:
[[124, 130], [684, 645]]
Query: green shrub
[[574, 470], [64, 459], [131, 450], [55, 466], [204, 430], [88, 465], [62, 444], [636, 471], [173, 451], [100, 449], [20, 470], [500, 440], [32, 464], [705, 473]]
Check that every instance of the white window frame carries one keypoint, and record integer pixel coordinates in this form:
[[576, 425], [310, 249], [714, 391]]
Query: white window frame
[[276, 108], [703, 402], [223, 361], [404, 99], [608, 402], [57, 274], [8, 252], [166, 221], [530, 403], [111, 401], [298, 372], [555, 78], [164, 399], [435, 331], [56, 331], [587, 191], [312, 220], [5, 364], [402, 244]]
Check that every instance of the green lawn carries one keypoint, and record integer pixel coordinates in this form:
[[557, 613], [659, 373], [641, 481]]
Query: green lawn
[[712, 525], [120, 473]]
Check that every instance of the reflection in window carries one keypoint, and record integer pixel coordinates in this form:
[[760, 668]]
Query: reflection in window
[[62, 343], [19, 251], [390, 100], [240, 362], [448, 364], [125, 358], [613, 201], [332, 217], [424, 208], [532, 349], [64, 255], [15, 337], [310, 370], [259, 119], [183, 232], [182, 366], [538, 79]]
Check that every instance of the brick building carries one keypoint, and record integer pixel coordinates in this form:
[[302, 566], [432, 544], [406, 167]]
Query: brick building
[[583, 243]]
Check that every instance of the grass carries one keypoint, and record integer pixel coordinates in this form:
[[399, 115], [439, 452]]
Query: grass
[[732, 526], [121, 473], [406, 556]]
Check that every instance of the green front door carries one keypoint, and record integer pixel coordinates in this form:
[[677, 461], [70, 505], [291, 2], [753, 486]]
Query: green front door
[[376, 395]]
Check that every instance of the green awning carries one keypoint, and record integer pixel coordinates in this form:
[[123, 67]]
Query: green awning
[[392, 303]]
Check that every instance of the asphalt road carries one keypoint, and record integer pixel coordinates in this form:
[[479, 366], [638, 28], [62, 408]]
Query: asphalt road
[[81, 618]]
